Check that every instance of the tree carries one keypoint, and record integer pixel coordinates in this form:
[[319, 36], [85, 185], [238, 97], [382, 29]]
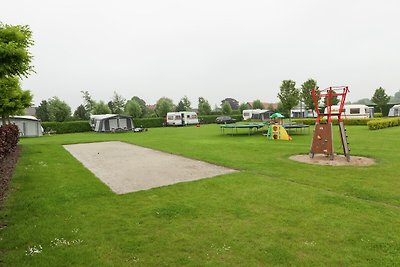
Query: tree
[[101, 108], [13, 100], [380, 98], [232, 102], [142, 104], [204, 107], [81, 113], [184, 104], [289, 95], [133, 109], [396, 98], [88, 102], [15, 58], [42, 112], [364, 101], [306, 95], [243, 106], [118, 103], [226, 108], [58, 109], [163, 106], [257, 104]]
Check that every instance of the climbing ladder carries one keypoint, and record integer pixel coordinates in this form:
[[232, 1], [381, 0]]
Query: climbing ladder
[[322, 142]]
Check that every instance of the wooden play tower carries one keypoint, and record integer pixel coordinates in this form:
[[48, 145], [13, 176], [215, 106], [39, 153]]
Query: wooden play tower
[[322, 142]]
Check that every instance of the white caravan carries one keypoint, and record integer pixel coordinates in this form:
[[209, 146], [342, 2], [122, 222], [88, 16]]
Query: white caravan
[[262, 114], [394, 111], [354, 111], [182, 118]]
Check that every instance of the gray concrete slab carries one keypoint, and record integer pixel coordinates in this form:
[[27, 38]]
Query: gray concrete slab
[[128, 168]]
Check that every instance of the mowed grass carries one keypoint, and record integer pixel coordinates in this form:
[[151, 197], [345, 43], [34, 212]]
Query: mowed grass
[[274, 212]]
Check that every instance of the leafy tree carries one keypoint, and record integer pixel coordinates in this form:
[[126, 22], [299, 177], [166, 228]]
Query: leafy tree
[[184, 104], [81, 113], [42, 112], [289, 95], [380, 98], [257, 104], [133, 109], [142, 104], [118, 103], [226, 108], [204, 107], [243, 106], [306, 95], [110, 105], [58, 109], [88, 102], [13, 100], [163, 106], [364, 101], [232, 102], [180, 107], [15, 59], [396, 98], [101, 108]]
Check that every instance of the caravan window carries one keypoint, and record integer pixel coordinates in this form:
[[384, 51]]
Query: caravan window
[[246, 114], [177, 117], [188, 116], [354, 111], [170, 117], [193, 116]]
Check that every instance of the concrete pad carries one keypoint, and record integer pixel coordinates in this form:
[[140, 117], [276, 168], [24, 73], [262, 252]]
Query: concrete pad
[[128, 168]]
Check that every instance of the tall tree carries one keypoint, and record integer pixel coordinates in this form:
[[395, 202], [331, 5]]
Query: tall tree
[[42, 112], [133, 109], [396, 98], [15, 58], [13, 100], [226, 108], [306, 95], [232, 102], [380, 98], [88, 102], [118, 103], [184, 104], [142, 104], [288, 95], [204, 107], [58, 109], [163, 106], [257, 104], [101, 108], [243, 106], [80, 113]]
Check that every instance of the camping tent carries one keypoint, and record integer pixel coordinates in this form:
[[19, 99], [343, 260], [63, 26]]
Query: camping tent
[[111, 123], [394, 111], [28, 126]]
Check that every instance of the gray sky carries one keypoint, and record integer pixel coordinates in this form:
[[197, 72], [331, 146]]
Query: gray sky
[[210, 48]]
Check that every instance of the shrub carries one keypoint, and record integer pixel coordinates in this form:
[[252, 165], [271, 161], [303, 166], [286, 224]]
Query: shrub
[[378, 115], [149, 122], [67, 127], [383, 123], [9, 135], [311, 121]]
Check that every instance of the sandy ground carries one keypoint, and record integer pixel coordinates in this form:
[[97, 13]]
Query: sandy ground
[[339, 160], [128, 168]]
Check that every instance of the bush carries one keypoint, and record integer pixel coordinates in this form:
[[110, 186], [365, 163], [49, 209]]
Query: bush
[[67, 127], [149, 122], [9, 136], [378, 115], [383, 123], [311, 121]]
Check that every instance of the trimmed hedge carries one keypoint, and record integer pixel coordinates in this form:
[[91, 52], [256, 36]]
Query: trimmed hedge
[[66, 127], [378, 115], [207, 119], [383, 123], [9, 136], [149, 122], [310, 121]]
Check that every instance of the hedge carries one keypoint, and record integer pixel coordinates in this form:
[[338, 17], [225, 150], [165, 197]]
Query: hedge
[[383, 123], [149, 122], [66, 127], [9, 135], [311, 121], [206, 119]]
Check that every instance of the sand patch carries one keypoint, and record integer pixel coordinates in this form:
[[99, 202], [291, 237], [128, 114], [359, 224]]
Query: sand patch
[[339, 160], [128, 168]]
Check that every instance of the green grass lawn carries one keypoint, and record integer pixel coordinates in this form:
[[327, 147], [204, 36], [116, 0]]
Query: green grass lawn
[[274, 212]]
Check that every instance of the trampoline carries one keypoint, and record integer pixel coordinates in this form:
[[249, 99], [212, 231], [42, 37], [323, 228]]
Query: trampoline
[[252, 127]]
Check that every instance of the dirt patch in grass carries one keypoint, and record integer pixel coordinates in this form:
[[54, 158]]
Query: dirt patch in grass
[[339, 160], [7, 166]]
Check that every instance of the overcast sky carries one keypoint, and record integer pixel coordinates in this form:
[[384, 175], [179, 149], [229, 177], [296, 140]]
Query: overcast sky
[[210, 48]]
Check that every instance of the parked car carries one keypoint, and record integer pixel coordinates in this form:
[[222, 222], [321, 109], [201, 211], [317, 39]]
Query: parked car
[[225, 119]]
